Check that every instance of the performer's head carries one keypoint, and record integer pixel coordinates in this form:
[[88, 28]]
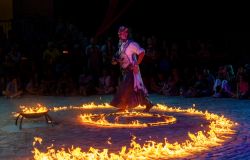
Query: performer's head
[[123, 33]]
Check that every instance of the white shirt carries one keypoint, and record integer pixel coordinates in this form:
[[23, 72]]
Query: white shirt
[[130, 50]]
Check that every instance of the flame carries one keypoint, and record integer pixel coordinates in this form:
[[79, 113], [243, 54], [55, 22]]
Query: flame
[[35, 109], [55, 109], [37, 139], [102, 122], [84, 106], [15, 114], [99, 120], [220, 130]]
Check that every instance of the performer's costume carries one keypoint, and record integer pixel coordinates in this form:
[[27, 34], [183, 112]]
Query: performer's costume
[[131, 91]]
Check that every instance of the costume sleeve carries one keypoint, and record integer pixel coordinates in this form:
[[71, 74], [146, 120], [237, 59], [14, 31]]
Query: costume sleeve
[[136, 48]]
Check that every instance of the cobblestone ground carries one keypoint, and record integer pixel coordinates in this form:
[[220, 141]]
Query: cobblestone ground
[[17, 144]]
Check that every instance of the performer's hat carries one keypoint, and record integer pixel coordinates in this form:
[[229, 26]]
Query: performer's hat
[[123, 29]]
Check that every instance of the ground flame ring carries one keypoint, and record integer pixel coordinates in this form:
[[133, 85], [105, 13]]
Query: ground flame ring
[[220, 130]]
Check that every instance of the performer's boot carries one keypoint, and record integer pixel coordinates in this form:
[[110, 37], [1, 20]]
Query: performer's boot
[[122, 109], [148, 107]]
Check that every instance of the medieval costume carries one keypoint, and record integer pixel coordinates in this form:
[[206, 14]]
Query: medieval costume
[[131, 91]]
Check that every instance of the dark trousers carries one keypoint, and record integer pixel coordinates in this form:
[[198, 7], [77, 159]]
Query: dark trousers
[[126, 97]]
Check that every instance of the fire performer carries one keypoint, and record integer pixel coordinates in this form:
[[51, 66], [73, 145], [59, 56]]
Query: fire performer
[[131, 91]]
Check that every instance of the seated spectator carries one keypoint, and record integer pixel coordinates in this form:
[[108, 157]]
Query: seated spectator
[[223, 86], [157, 83], [48, 83], [65, 85], [12, 89], [86, 83], [2, 84], [243, 87], [105, 84], [32, 86], [172, 86], [200, 88]]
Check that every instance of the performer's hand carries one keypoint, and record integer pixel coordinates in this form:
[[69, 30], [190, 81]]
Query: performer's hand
[[114, 62], [136, 69]]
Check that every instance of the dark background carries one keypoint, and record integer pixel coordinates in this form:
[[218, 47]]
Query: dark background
[[159, 16], [224, 23]]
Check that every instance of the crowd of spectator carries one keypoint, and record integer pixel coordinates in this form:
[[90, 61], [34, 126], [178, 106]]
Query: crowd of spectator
[[62, 60]]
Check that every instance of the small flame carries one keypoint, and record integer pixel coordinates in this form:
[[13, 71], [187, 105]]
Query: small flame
[[35, 109], [37, 139], [84, 106]]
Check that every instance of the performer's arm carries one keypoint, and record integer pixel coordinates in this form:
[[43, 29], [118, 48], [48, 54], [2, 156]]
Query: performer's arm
[[136, 66], [140, 52], [140, 57]]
